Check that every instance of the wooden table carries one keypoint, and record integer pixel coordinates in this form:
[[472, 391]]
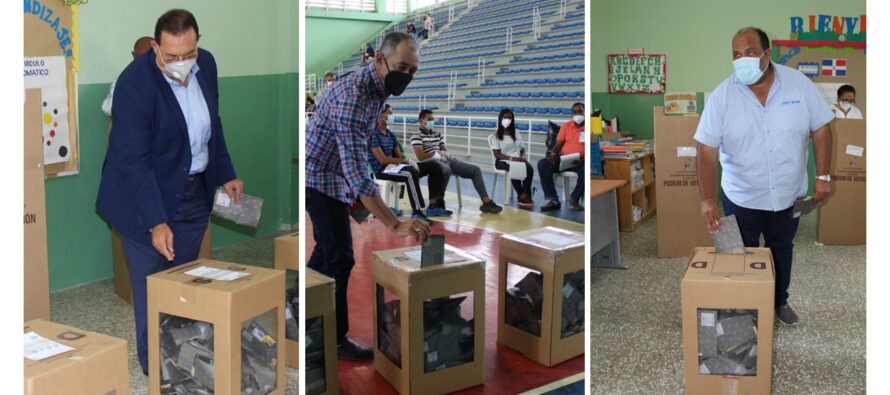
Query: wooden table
[[604, 223]]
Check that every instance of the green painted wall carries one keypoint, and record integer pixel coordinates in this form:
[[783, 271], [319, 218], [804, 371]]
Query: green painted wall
[[258, 106]]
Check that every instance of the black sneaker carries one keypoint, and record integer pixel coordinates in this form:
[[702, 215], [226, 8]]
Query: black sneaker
[[786, 315], [490, 207]]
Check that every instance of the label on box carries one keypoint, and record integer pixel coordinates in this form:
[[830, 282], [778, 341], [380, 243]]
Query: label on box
[[216, 274], [222, 199], [38, 347], [855, 150], [555, 239], [686, 152], [707, 318]]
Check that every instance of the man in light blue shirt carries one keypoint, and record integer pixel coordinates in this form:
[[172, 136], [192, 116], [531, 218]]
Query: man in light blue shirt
[[759, 121], [197, 117]]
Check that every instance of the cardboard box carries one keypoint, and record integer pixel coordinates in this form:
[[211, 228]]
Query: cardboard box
[[227, 306], [287, 252], [320, 305], [122, 286], [841, 218], [553, 253], [416, 288], [36, 271], [97, 365], [715, 283], [679, 226]]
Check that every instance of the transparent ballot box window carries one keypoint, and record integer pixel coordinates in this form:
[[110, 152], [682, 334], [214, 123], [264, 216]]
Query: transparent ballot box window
[[389, 325], [523, 298], [572, 304], [291, 308], [727, 342], [315, 362], [188, 358], [448, 331]]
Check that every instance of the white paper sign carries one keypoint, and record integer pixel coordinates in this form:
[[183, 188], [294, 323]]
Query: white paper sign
[[707, 319], [554, 239], [517, 170], [216, 274], [38, 347], [48, 73], [686, 152], [855, 150]]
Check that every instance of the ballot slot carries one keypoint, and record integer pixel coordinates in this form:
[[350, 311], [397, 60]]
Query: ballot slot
[[316, 380], [448, 331], [572, 304], [524, 298], [727, 342], [389, 325]]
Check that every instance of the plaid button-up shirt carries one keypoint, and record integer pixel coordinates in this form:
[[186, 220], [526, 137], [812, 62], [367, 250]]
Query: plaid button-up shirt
[[337, 136]]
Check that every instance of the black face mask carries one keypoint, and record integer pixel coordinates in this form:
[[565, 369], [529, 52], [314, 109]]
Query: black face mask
[[395, 81]]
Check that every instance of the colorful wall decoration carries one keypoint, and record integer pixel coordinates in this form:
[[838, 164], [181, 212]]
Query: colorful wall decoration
[[637, 73]]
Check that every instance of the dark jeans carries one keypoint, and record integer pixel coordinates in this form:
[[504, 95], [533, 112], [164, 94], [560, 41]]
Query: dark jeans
[[411, 177], [188, 226], [521, 186], [438, 181], [778, 229], [332, 255], [547, 170]]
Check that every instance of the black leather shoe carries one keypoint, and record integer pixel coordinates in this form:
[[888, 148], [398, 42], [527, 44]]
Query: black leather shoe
[[145, 372], [351, 350]]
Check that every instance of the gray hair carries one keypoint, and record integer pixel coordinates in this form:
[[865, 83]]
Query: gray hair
[[392, 41]]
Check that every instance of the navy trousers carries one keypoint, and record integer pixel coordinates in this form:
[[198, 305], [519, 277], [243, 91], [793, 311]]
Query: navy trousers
[[778, 229], [332, 255], [188, 226], [547, 170]]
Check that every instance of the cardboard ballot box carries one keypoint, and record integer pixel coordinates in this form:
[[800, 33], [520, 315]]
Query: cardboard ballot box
[[36, 259], [291, 325], [841, 218], [429, 322], [321, 335], [541, 290], [210, 329], [728, 309], [88, 363], [287, 249], [122, 286], [679, 225]]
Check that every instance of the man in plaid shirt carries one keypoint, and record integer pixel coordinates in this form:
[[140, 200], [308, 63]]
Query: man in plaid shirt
[[337, 172]]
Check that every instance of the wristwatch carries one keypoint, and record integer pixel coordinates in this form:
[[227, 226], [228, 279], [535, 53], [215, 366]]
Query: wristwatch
[[826, 178]]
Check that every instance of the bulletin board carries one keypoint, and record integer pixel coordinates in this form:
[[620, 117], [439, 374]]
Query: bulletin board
[[51, 65], [833, 64], [637, 73]]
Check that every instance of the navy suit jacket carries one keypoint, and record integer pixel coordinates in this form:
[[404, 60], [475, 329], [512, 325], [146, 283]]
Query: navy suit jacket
[[149, 156]]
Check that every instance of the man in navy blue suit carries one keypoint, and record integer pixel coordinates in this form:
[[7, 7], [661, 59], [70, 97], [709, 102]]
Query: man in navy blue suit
[[166, 156]]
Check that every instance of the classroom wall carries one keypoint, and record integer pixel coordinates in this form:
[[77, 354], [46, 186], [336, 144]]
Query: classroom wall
[[696, 35], [258, 105]]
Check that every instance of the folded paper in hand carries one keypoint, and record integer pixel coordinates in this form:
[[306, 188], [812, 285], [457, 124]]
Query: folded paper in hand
[[247, 212], [568, 161], [517, 170], [804, 206], [728, 238]]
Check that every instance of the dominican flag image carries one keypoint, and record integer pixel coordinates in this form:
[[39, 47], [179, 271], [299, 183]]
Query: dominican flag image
[[834, 67]]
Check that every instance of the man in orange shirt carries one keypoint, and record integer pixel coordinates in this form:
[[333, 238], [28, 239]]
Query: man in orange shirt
[[569, 141]]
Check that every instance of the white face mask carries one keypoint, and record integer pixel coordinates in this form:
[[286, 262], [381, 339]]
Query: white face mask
[[846, 105], [579, 119], [390, 119], [506, 122], [181, 69], [329, 83]]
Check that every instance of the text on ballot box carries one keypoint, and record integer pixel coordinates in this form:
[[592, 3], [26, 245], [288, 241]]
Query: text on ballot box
[[541, 290], [429, 322]]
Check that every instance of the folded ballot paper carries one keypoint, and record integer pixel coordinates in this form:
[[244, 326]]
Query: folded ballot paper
[[804, 206], [728, 237], [247, 212]]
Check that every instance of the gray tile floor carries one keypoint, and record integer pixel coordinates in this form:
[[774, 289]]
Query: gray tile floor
[[636, 345], [95, 307]]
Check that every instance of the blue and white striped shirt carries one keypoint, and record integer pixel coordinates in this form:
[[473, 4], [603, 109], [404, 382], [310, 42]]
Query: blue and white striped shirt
[[763, 149]]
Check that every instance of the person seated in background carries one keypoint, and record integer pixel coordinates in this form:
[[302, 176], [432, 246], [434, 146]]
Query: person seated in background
[[411, 29], [141, 46], [507, 146], [310, 105], [384, 151], [570, 140], [429, 147], [844, 108]]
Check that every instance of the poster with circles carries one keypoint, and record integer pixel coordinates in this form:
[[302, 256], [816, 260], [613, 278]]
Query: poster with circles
[[48, 73]]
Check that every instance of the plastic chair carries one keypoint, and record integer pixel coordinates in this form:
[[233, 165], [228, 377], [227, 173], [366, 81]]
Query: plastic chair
[[508, 191]]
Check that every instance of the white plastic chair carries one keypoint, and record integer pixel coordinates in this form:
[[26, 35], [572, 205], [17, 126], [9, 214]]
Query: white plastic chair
[[508, 190], [389, 192], [567, 177]]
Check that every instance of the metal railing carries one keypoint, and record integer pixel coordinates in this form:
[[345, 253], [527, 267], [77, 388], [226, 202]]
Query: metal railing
[[450, 13], [509, 45], [536, 22], [339, 69], [480, 70], [452, 88], [563, 4]]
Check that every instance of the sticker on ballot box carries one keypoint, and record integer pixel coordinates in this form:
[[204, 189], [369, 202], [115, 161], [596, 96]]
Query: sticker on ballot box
[[689, 152], [855, 150], [708, 318], [216, 274], [555, 239], [38, 347]]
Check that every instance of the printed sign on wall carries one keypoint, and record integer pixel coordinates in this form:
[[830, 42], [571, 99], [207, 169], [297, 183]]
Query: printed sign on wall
[[48, 73], [637, 73]]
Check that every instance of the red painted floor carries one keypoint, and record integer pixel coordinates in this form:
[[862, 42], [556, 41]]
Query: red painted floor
[[506, 371]]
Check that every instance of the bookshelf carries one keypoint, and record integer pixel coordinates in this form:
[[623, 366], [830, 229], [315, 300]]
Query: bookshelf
[[639, 191]]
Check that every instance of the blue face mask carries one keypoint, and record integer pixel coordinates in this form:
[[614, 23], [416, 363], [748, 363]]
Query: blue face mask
[[748, 70]]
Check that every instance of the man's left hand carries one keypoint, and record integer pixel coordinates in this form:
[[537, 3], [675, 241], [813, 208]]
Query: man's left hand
[[233, 189], [823, 189]]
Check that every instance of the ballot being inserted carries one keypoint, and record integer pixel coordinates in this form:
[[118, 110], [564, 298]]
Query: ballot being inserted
[[567, 161], [246, 212], [728, 237]]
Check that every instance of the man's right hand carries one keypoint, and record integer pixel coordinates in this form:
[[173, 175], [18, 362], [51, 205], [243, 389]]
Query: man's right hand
[[162, 240], [413, 227], [551, 157], [711, 215]]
